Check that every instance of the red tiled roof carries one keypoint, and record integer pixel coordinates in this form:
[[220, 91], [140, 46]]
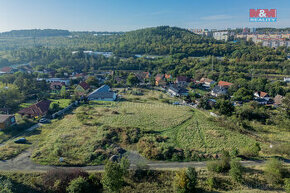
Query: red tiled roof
[[38, 109], [224, 83], [167, 76], [263, 94], [6, 69], [85, 85]]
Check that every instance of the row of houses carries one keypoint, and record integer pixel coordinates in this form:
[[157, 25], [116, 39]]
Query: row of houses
[[222, 87]]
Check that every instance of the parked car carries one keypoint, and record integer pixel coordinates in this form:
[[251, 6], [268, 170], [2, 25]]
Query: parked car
[[43, 120], [21, 140]]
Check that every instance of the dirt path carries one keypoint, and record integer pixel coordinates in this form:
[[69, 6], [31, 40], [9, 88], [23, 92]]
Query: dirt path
[[23, 163]]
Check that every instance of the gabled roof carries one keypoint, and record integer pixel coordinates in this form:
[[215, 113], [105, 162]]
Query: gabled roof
[[159, 77], [207, 80], [6, 69], [38, 109], [3, 117], [262, 94], [85, 85], [102, 92], [102, 89], [167, 76], [224, 83]]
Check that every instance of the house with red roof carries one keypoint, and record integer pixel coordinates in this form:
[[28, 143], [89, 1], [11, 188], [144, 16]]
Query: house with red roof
[[262, 95], [159, 80], [82, 89], [225, 84], [36, 110], [56, 86], [6, 70]]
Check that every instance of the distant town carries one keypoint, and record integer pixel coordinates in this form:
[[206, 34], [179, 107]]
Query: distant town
[[268, 39]]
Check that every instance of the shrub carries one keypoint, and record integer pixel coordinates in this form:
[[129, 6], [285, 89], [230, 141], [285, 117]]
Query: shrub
[[251, 151], [225, 160], [222, 165], [185, 180], [287, 185], [5, 185], [214, 166], [78, 185], [234, 153], [57, 180], [212, 182], [236, 171], [274, 171], [113, 177], [180, 181], [192, 179]]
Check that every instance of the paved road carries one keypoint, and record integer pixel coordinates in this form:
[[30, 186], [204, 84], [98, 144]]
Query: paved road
[[23, 163]]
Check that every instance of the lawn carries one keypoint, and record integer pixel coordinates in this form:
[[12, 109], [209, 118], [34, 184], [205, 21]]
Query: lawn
[[61, 102]]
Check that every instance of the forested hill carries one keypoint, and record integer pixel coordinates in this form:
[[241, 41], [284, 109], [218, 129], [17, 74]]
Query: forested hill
[[161, 40], [35, 33]]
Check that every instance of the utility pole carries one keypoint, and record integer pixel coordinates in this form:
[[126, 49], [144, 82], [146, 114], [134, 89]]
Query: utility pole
[[212, 63]]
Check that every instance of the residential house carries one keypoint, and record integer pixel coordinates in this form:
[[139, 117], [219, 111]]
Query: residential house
[[36, 110], [225, 84], [278, 100], [181, 81], [175, 90], [219, 91], [82, 89], [159, 80], [103, 93], [56, 86], [206, 82], [7, 121], [50, 80], [262, 95], [6, 70]]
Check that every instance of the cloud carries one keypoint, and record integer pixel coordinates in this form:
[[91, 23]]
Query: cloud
[[216, 17]]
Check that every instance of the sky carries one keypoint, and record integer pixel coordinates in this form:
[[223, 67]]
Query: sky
[[126, 15]]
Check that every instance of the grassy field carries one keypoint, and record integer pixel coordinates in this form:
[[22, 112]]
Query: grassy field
[[145, 121], [88, 131]]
